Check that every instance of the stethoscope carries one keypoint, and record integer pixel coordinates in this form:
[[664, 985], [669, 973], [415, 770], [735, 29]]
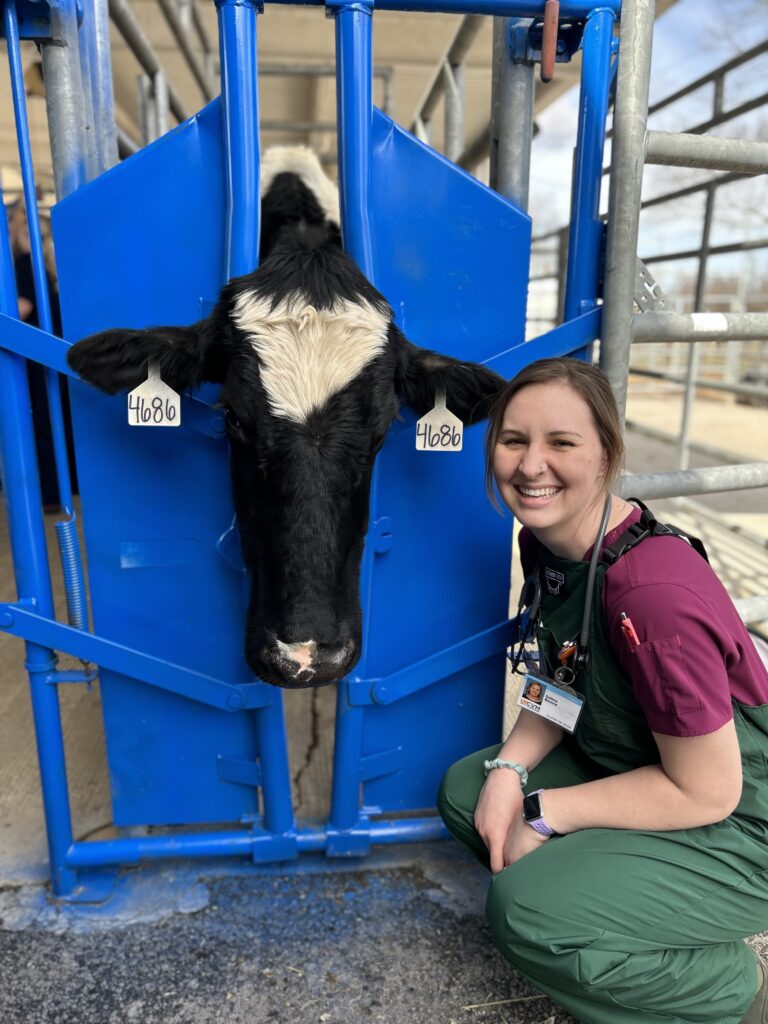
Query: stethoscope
[[529, 614]]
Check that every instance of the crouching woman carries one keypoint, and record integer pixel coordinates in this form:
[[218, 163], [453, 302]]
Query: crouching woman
[[625, 819]]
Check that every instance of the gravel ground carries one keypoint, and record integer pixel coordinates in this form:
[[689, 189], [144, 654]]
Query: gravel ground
[[401, 941]]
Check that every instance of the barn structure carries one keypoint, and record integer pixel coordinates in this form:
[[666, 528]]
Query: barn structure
[[198, 758]]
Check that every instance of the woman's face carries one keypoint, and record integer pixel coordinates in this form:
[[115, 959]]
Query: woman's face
[[534, 691], [549, 462]]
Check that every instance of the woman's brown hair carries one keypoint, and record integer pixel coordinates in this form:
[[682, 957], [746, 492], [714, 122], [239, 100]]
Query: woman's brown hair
[[589, 382]]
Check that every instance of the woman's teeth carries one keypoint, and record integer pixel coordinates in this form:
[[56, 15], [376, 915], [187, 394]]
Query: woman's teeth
[[538, 492]]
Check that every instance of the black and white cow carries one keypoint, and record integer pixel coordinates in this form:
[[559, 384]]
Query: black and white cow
[[313, 370]]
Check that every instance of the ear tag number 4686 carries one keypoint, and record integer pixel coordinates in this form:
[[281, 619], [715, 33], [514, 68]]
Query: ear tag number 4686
[[439, 430], [154, 404]]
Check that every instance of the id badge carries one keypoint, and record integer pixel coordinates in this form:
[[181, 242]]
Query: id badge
[[545, 698]]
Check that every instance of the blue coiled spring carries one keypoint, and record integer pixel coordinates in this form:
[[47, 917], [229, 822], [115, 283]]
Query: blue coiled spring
[[72, 568]]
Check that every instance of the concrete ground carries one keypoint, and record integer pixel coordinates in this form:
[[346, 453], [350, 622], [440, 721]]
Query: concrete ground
[[397, 938]]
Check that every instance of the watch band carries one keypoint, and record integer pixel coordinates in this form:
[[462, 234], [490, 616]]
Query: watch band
[[497, 762], [538, 824]]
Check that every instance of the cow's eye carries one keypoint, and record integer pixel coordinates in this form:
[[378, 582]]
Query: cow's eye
[[234, 426]]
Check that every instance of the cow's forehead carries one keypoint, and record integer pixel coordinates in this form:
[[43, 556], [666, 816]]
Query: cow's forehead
[[306, 354]]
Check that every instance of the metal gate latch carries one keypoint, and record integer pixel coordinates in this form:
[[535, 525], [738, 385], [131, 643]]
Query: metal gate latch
[[549, 39]]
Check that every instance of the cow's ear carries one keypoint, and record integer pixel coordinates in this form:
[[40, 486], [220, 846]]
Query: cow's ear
[[186, 356], [469, 388]]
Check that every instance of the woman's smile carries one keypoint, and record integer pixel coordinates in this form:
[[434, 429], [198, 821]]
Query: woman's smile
[[535, 497]]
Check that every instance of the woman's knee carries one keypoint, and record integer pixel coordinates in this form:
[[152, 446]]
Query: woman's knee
[[522, 905], [451, 799]]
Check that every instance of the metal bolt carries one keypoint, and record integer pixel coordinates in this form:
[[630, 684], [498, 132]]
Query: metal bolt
[[6, 620], [235, 701]]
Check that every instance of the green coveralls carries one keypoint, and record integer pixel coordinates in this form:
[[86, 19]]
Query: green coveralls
[[622, 926]]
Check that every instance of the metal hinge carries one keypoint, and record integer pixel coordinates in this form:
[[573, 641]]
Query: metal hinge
[[648, 294]]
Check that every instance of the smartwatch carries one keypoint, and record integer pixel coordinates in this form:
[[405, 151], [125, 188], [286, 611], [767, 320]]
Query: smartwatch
[[534, 815]]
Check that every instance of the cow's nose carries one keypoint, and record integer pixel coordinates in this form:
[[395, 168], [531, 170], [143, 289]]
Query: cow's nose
[[309, 663]]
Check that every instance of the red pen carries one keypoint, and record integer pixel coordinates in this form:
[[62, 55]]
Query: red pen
[[630, 634]]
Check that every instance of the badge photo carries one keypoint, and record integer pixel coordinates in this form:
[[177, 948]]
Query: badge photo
[[544, 697]]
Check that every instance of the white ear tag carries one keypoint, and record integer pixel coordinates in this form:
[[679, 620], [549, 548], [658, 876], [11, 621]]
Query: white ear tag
[[154, 404], [439, 430]]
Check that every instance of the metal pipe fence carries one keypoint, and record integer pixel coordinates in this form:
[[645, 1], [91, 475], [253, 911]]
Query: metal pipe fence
[[681, 482], [741, 159], [126, 23]]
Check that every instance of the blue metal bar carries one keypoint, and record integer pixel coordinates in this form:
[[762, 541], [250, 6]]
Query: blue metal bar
[[434, 668], [238, 844], [561, 341], [354, 69], [240, 109], [33, 343], [586, 230], [275, 775], [21, 490], [347, 758], [501, 8], [239, 96], [354, 106], [36, 243], [41, 629]]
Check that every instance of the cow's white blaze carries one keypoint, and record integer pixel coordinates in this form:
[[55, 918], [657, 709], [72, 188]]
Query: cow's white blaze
[[300, 160], [307, 355]]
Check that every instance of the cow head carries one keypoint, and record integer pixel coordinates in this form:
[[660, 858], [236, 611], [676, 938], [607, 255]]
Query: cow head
[[313, 371]]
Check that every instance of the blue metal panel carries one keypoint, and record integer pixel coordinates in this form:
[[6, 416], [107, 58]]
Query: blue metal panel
[[155, 502], [452, 259], [451, 255]]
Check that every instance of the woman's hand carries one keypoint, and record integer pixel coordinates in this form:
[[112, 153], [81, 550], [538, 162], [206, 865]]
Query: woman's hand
[[499, 807], [521, 839]]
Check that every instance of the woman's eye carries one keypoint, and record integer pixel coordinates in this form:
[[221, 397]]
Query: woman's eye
[[511, 442], [563, 444]]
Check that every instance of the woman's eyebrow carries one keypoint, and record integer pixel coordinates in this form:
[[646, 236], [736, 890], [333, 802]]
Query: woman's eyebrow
[[550, 433]]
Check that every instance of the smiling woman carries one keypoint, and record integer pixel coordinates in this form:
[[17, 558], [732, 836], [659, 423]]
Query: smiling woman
[[638, 798]]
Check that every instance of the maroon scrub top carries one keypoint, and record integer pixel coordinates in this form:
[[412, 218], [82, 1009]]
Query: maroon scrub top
[[695, 655]]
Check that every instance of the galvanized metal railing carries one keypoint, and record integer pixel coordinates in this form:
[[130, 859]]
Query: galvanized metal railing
[[633, 145], [748, 157]]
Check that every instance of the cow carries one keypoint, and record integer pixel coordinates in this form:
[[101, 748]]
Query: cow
[[313, 370]]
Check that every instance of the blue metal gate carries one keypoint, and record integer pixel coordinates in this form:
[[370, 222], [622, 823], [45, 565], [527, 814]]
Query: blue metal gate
[[191, 736]]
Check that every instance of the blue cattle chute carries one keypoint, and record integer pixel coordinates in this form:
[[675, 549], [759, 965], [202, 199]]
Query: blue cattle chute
[[156, 503]]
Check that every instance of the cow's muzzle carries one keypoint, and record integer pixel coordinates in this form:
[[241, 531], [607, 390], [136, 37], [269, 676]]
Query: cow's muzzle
[[300, 665]]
